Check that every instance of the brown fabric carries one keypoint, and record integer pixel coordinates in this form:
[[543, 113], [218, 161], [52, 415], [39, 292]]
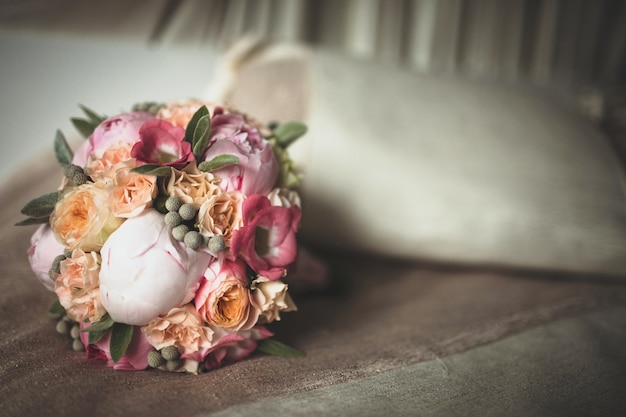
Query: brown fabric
[[390, 314]]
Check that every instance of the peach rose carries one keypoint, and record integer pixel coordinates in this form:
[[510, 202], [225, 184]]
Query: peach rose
[[223, 299], [132, 193], [78, 286], [105, 166], [82, 219], [191, 185], [220, 215], [181, 327], [180, 113], [270, 298]]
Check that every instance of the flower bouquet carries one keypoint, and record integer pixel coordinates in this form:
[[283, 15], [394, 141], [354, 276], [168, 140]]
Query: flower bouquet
[[169, 235]]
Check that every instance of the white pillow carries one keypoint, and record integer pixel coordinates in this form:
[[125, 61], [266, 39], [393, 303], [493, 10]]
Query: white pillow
[[441, 168]]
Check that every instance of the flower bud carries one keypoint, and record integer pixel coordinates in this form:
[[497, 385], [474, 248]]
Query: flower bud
[[173, 365], [187, 212], [173, 219], [172, 203], [180, 231], [155, 359], [216, 244], [170, 353], [193, 239]]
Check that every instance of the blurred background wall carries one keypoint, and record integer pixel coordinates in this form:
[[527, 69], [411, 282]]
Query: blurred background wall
[[575, 47], [568, 42]]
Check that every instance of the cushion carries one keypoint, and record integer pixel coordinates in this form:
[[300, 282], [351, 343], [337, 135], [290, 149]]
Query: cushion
[[440, 168]]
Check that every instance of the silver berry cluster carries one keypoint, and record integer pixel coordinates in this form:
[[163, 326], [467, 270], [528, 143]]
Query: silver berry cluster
[[68, 327], [181, 218], [167, 358]]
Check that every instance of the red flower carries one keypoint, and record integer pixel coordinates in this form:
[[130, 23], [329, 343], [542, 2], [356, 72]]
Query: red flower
[[267, 240], [163, 144]]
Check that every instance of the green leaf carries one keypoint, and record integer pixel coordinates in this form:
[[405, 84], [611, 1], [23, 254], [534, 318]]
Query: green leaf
[[95, 336], [84, 127], [41, 206], [287, 133], [218, 162], [32, 220], [93, 117], [191, 127], [56, 310], [152, 169], [121, 335], [62, 150], [276, 348], [201, 135], [104, 324]]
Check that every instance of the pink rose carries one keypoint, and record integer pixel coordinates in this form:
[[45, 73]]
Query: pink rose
[[267, 240], [121, 128], [223, 299], [257, 170], [135, 358], [44, 247], [234, 347], [145, 272], [163, 144]]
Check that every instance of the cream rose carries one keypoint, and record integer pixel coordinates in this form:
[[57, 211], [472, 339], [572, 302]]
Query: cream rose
[[82, 219], [78, 286], [284, 197], [191, 185], [181, 327], [271, 298], [220, 215]]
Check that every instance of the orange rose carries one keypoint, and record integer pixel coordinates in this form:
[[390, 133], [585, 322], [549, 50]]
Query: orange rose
[[82, 219], [223, 299], [78, 286]]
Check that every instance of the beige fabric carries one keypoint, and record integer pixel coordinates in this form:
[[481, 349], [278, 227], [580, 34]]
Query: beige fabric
[[441, 169], [551, 370], [389, 315]]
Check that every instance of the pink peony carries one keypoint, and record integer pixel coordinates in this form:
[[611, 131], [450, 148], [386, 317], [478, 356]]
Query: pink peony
[[163, 144], [44, 247], [257, 170], [267, 240], [223, 299], [82, 153], [145, 272], [233, 347], [121, 128], [135, 358]]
